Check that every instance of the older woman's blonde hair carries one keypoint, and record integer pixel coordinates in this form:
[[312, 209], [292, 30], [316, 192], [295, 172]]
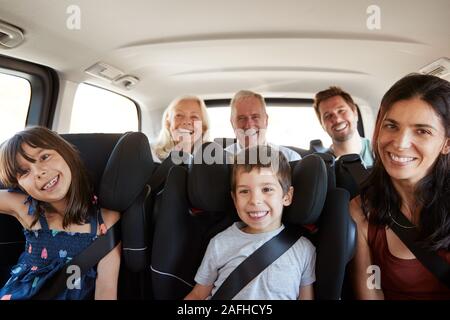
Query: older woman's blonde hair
[[165, 143]]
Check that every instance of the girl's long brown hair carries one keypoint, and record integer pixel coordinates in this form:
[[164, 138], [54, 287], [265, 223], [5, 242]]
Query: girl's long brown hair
[[80, 194]]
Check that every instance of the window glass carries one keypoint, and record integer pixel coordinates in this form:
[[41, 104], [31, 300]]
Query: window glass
[[15, 94], [103, 111], [289, 126]]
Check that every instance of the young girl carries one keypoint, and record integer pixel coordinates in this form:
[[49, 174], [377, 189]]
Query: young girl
[[59, 213], [410, 178]]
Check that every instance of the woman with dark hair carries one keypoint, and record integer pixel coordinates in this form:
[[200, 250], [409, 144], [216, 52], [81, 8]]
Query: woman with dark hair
[[408, 190]]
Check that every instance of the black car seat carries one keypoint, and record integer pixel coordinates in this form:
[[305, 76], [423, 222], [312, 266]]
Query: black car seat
[[351, 173], [302, 152], [339, 218], [120, 165], [335, 232], [225, 142], [196, 205], [184, 225], [317, 146], [329, 161], [140, 272], [159, 176], [335, 243], [12, 244]]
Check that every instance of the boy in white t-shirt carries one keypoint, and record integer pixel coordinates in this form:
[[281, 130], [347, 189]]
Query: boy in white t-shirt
[[260, 189]]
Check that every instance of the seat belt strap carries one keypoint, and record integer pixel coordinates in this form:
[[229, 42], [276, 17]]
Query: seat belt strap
[[87, 259], [256, 263], [159, 176], [357, 170], [429, 259], [162, 171]]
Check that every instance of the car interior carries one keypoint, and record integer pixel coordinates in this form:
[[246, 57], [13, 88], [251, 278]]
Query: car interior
[[101, 73]]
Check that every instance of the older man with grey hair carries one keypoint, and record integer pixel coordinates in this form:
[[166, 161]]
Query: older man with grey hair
[[249, 120]]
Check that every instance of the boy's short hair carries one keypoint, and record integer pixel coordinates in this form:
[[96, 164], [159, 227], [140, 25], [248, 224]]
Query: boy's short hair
[[262, 156], [330, 93]]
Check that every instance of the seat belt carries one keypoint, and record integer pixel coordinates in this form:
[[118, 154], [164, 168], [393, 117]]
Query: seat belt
[[87, 259], [160, 175], [429, 259], [353, 164], [254, 264]]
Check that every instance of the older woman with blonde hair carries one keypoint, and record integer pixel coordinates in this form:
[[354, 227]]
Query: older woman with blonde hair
[[184, 126]]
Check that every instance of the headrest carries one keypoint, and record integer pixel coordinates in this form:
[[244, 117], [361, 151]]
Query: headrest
[[209, 179], [351, 173], [329, 159], [162, 170], [309, 179], [178, 158], [225, 142], [94, 149], [349, 158], [300, 151], [330, 162], [316, 146], [128, 170]]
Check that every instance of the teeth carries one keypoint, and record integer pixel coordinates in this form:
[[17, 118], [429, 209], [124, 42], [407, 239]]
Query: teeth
[[340, 126], [400, 159], [257, 214], [250, 132], [181, 130], [51, 183]]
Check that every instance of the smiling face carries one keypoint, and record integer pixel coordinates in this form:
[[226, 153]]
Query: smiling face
[[48, 178], [185, 122], [249, 121], [338, 119], [411, 138], [259, 199]]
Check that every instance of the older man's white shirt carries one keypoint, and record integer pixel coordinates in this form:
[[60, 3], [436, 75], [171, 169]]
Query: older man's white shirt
[[290, 155]]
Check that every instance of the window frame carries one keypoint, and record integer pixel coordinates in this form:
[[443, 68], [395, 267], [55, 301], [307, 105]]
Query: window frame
[[44, 83], [136, 105], [282, 102]]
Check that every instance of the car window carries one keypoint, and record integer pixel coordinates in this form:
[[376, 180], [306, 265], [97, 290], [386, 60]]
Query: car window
[[288, 125], [100, 110], [15, 94]]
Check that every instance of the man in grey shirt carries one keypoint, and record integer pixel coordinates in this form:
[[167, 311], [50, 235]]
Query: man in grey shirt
[[338, 116], [249, 120]]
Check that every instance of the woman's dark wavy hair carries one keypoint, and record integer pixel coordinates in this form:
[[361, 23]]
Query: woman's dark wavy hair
[[432, 192], [80, 193]]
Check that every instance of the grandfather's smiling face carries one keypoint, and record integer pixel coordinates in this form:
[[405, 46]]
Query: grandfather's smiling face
[[249, 120]]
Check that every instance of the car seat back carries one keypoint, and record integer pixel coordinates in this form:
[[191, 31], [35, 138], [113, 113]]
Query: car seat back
[[317, 146], [186, 222], [350, 173]]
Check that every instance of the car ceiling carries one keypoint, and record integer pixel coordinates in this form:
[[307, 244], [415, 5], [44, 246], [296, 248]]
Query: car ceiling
[[214, 48]]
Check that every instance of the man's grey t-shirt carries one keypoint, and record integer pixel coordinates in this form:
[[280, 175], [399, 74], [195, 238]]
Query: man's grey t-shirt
[[279, 281]]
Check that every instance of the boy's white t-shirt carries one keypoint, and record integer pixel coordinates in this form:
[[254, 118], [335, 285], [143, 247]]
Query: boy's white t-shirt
[[279, 281]]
